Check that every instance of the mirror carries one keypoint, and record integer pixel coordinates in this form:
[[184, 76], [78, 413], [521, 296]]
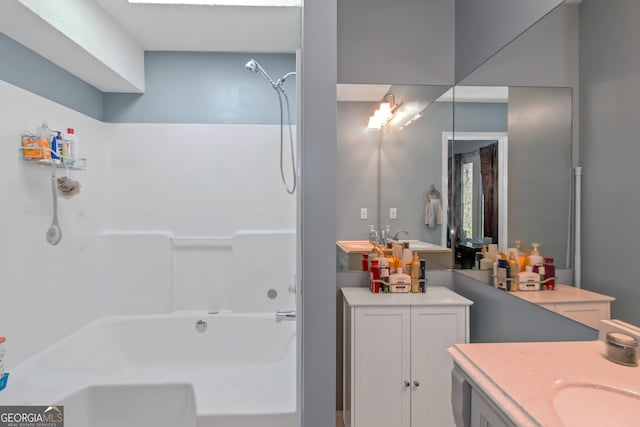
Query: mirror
[[401, 156], [571, 50], [511, 157]]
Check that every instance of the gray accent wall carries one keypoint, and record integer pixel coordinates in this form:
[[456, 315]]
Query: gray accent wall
[[318, 213], [539, 164], [546, 54], [26, 69], [609, 105], [411, 161], [181, 87], [497, 316], [205, 87], [483, 27], [401, 41], [357, 170]]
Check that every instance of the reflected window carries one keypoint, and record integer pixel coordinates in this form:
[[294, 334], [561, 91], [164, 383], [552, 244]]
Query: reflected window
[[472, 203]]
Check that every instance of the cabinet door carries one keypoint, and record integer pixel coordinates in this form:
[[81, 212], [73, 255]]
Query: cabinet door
[[587, 313], [433, 331], [482, 414], [381, 366]]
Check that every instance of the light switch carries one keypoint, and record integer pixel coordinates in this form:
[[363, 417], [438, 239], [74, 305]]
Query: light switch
[[393, 213], [363, 213]]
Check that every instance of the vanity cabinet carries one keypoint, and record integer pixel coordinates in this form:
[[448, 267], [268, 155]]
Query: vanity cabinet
[[395, 360], [581, 305]]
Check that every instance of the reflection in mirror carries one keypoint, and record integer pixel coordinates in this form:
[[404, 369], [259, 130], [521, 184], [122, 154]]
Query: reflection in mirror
[[390, 172], [511, 172]]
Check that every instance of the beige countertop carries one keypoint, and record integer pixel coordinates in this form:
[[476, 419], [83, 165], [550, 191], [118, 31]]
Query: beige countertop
[[523, 378], [364, 246], [562, 294]]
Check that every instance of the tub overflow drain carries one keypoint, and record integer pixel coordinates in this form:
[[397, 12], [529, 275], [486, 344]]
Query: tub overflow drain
[[201, 326]]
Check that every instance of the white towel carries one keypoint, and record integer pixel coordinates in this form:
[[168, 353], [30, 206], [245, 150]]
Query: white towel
[[433, 212]]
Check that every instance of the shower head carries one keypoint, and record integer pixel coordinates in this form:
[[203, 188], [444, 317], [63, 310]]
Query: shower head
[[252, 66]]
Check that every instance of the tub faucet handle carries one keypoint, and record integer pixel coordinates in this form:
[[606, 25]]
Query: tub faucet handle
[[289, 315]]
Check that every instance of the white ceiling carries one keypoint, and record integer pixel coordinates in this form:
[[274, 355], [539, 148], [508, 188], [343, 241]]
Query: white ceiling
[[208, 28]]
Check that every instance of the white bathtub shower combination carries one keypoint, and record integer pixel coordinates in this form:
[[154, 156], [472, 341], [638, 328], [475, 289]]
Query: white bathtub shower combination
[[160, 371]]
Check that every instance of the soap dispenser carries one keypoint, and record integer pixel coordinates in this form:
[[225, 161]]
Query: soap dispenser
[[534, 256]]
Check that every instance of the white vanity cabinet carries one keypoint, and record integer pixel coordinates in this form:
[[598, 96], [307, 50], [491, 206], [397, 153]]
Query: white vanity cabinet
[[581, 305], [397, 371]]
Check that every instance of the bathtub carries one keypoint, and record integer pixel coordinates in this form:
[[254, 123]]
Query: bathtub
[[161, 371]]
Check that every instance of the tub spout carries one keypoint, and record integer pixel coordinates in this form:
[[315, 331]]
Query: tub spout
[[289, 315]]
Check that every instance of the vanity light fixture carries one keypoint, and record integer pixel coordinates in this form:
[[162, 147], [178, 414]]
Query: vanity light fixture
[[383, 115]]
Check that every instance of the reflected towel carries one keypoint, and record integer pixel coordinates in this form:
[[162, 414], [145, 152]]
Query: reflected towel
[[433, 212]]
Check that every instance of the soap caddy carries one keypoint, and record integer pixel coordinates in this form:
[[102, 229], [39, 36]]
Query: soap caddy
[[3, 381], [511, 284]]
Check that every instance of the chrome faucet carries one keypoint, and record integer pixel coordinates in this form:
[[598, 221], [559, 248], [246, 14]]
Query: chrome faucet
[[288, 315], [374, 236], [396, 236]]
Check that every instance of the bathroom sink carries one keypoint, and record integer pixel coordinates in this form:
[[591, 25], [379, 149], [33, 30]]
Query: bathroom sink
[[596, 405]]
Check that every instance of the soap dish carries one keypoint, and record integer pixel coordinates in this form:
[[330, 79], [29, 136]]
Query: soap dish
[[622, 349]]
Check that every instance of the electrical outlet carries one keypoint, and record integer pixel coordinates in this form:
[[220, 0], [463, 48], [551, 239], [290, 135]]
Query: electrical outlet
[[393, 213], [363, 213]]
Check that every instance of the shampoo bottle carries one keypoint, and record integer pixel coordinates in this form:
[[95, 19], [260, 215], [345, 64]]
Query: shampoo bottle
[[513, 272], [415, 273], [407, 258]]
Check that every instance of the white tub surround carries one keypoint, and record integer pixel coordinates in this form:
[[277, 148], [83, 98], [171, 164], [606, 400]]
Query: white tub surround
[[240, 371], [583, 306], [532, 384], [396, 367]]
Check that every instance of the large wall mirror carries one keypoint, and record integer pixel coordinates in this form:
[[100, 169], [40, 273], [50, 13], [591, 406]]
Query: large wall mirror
[[394, 172], [512, 156], [510, 170]]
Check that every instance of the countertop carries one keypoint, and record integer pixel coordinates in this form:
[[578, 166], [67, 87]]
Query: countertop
[[522, 378], [434, 296], [562, 294], [364, 246]]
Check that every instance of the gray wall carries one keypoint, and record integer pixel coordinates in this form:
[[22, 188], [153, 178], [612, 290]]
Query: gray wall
[[411, 160], [482, 27], [497, 316], [545, 55], [540, 169], [317, 194], [204, 87], [181, 87], [26, 69], [357, 170], [403, 41], [609, 104]]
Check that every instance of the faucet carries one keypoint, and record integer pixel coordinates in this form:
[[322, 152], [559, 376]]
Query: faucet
[[288, 315], [396, 236], [374, 236]]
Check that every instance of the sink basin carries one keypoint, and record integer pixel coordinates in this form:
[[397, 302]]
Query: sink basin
[[596, 405]]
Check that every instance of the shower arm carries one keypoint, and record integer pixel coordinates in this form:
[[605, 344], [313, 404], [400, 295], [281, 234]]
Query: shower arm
[[266, 76], [282, 79]]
